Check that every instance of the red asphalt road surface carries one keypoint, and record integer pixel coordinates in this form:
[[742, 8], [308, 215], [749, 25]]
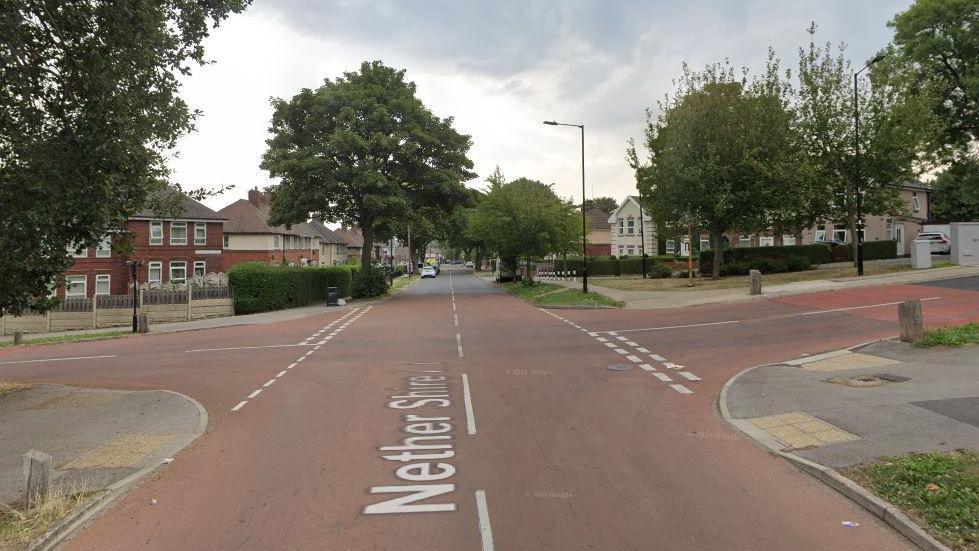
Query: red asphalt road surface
[[569, 454]]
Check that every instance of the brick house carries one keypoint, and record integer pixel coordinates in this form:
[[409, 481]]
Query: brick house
[[333, 248], [249, 238], [354, 240], [169, 250], [599, 233]]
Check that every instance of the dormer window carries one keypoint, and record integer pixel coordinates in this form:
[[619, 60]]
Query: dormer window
[[915, 202]]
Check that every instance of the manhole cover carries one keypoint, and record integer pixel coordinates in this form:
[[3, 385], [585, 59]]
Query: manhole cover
[[619, 367]]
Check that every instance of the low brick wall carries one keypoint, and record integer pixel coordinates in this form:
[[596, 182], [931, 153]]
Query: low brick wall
[[116, 317]]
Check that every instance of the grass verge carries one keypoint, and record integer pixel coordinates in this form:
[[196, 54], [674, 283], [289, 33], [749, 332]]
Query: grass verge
[[549, 294], [19, 527], [71, 338], [950, 336], [939, 490], [400, 283]]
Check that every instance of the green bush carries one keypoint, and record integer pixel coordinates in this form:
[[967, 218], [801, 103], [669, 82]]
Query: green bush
[[258, 287], [734, 268], [659, 271], [874, 250], [815, 253], [371, 283]]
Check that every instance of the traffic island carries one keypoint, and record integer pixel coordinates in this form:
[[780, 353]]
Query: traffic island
[[842, 415], [549, 295], [97, 443]]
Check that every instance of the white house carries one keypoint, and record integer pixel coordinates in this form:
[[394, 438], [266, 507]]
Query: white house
[[627, 240]]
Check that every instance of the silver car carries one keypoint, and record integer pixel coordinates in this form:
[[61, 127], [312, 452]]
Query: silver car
[[938, 242]]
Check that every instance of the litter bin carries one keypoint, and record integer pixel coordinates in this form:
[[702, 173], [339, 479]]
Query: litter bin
[[331, 296]]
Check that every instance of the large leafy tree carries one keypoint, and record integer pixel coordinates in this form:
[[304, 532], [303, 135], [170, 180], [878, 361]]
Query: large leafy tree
[[893, 129], [606, 204], [724, 155], [523, 219], [88, 105], [360, 149], [936, 43], [956, 196]]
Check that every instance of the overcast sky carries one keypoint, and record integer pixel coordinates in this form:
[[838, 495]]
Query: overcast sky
[[500, 68]]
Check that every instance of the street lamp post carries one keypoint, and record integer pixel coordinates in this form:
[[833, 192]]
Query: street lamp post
[[584, 225], [133, 267], [642, 236], [858, 175]]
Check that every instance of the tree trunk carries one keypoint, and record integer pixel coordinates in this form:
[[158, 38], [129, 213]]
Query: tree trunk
[[718, 238], [851, 225], [367, 228]]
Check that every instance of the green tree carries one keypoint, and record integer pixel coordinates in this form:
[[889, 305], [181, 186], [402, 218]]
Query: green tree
[[893, 129], [724, 154], [606, 204], [360, 149], [956, 195], [937, 46], [88, 106], [523, 219]]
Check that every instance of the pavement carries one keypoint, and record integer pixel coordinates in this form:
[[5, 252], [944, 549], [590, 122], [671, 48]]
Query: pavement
[[95, 437], [852, 407], [686, 298], [454, 416]]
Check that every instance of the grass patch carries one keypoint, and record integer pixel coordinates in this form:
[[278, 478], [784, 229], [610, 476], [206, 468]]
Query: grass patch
[[950, 336], [549, 294], [400, 283], [736, 282], [19, 527], [71, 338], [940, 490]]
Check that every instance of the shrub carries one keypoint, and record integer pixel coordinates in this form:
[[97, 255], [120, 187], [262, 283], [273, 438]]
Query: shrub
[[659, 271], [873, 250], [258, 287], [734, 268], [371, 283], [815, 253]]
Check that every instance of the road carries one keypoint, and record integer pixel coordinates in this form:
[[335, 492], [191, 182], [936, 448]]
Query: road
[[456, 417]]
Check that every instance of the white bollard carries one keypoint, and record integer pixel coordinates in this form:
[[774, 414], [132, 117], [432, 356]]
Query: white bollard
[[574, 276]]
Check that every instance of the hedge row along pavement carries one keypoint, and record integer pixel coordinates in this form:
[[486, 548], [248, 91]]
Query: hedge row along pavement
[[610, 267], [258, 287]]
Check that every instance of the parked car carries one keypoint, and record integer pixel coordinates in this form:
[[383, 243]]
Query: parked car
[[469, 265], [428, 271], [938, 241]]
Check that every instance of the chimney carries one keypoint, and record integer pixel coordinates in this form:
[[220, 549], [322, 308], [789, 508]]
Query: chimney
[[258, 198]]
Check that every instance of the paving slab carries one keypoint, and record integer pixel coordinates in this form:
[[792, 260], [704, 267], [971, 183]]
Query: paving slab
[[96, 437]]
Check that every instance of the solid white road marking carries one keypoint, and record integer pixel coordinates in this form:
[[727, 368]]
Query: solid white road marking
[[268, 384], [689, 376], [672, 327], [862, 307], [662, 377], [467, 397], [240, 405], [459, 343], [681, 389], [281, 373], [647, 367], [254, 394], [56, 359], [246, 347], [632, 358], [485, 531], [657, 357]]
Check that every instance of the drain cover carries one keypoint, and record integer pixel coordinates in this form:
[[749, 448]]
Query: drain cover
[[619, 367], [892, 378]]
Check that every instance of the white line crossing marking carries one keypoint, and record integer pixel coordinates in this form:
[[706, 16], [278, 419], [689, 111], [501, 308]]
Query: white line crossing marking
[[601, 339], [662, 376], [622, 338], [647, 367], [467, 397], [632, 358], [671, 365], [681, 389], [643, 350], [620, 351], [240, 405], [673, 327], [268, 384], [613, 333], [254, 394], [592, 333], [657, 357], [300, 358], [689, 376], [630, 343], [485, 531], [281, 373], [611, 344], [308, 353], [317, 347], [290, 366], [56, 359]]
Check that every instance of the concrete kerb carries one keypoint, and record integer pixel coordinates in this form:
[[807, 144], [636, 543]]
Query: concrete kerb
[[68, 526], [881, 509]]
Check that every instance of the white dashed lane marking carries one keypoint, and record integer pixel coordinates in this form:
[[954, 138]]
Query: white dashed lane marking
[[681, 389]]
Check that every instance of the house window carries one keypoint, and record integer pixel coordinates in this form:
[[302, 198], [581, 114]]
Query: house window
[[155, 273], [621, 250], [178, 272], [200, 268], [178, 233], [104, 248], [820, 233], [839, 235], [78, 253], [200, 233], [76, 286], [766, 241], [744, 241], [102, 286], [227, 240], [788, 240], [275, 241], [705, 244], [670, 246], [631, 226], [621, 226], [156, 233], [916, 202], [630, 250]]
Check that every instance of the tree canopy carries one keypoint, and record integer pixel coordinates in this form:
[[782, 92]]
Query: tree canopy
[[88, 105], [606, 204], [956, 195], [361, 148]]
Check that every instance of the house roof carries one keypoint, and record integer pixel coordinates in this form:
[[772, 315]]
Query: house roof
[[628, 199], [189, 208], [351, 236], [244, 217], [325, 234], [598, 219]]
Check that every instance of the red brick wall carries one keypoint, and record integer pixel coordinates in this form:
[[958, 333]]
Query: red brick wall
[[599, 249]]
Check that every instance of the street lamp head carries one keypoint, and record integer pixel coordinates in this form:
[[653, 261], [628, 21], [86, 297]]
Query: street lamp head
[[877, 58], [550, 123]]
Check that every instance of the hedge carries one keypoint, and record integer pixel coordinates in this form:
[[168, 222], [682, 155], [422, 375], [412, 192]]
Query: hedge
[[874, 250], [258, 287], [626, 266], [816, 253]]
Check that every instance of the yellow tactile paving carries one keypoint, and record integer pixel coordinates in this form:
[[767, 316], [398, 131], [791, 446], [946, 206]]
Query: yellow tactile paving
[[801, 430], [848, 361], [123, 451]]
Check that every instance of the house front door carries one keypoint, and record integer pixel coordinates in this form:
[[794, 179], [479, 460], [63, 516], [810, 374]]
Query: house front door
[[899, 237]]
